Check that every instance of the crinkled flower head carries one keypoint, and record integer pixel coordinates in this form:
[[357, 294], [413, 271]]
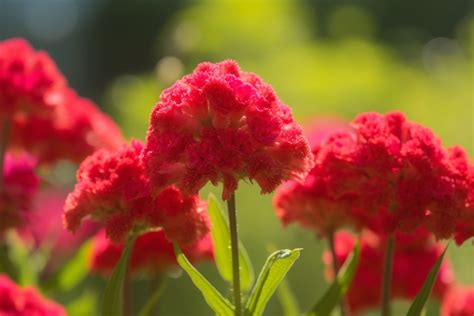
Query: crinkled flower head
[[385, 174], [311, 203], [42, 115], [112, 188], [412, 179], [29, 79], [458, 302], [74, 130], [17, 301], [152, 253], [414, 256], [19, 185], [221, 124]]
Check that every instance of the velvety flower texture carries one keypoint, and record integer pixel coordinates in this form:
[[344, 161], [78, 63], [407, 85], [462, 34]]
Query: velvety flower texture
[[20, 183], [385, 174], [74, 130], [17, 301], [152, 253], [221, 124], [40, 114], [43, 226], [113, 189], [29, 80], [458, 302], [310, 203], [414, 256]]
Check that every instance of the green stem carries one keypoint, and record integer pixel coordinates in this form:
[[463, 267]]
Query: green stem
[[155, 290], [127, 299], [235, 254], [387, 275], [335, 266]]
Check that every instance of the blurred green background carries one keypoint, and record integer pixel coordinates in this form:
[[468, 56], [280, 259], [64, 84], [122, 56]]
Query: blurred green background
[[324, 58]]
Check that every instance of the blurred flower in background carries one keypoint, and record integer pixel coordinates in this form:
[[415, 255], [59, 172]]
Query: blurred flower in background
[[43, 229]]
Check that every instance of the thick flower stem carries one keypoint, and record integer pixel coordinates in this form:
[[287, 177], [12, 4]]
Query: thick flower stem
[[235, 254], [335, 267], [4, 134], [126, 296], [387, 276]]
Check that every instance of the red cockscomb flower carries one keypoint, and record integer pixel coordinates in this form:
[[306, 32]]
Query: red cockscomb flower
[[113, 189], [221, 124], [311, 203], [29, 79], [385, 174], [19, 184], [458, 302], [40, 114], [415, 255], [74, 130], [17, 301], [152, 253]]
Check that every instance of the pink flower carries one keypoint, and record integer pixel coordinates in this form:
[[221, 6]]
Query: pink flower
[[152, 253], [221, 124], [17, 301], [20, 183], [114, 190], [459, 302], [44, 227]]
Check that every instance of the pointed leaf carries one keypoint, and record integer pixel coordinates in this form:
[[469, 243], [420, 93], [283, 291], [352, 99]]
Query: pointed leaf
[[288, 299], [418, 304], [273, 272], [339, 287], [112, 301], [75, 269], [214, 299], [222, 253]]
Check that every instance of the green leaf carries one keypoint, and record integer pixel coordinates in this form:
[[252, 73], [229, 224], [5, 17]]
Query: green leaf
[[75, 269], [339, 287], [287, 299], [112, 301], [222, 252], [273, 272], [416, 308], [6, 264], [214, 299], [27, 264]]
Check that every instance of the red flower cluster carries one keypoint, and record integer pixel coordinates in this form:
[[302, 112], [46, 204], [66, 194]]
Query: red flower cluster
[[385, 174], [312, 203], [113, 189], [73, 131], [458, 302], [223, 124], [29, 80], [43, 116], [18, 186], [17, 301], [415, 255], [152, 253]]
